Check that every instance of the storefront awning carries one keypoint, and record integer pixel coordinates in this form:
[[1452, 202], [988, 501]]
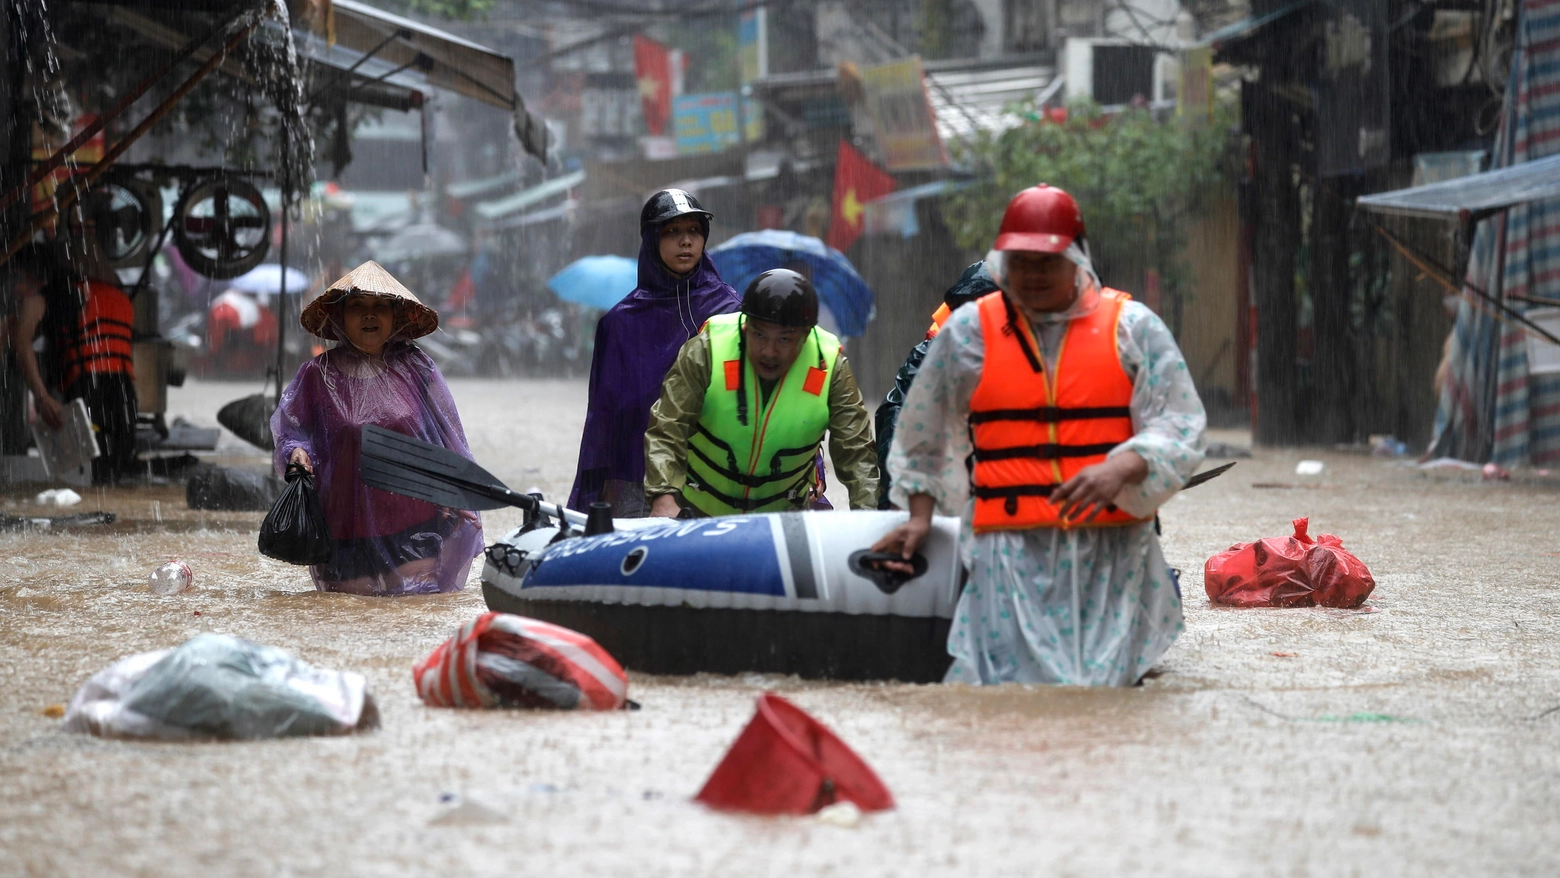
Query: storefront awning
[[502, 207], [445, 60], [377, 86], [1473, 197], [442, 59]]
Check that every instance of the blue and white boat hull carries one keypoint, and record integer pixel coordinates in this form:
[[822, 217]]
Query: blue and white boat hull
[[773, 593]]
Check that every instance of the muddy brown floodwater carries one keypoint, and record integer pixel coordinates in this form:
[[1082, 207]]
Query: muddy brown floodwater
[[1412, 740]]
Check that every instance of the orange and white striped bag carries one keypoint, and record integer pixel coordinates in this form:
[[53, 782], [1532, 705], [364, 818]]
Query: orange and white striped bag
[[503, 660]]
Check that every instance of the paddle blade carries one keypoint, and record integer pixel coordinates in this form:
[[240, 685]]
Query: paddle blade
[[1214, 473], [412, 468]]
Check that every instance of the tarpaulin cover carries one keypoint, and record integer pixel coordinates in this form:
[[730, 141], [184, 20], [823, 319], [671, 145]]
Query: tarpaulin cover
[[502, 660], [218, 686], [1475, 194], [1494, 407], [1294, 571]]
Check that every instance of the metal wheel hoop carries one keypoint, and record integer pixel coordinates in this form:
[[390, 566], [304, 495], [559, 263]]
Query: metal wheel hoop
[[222, 227]]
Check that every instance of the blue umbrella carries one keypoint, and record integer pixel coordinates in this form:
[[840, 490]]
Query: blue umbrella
[[840, 288], [596, 281]]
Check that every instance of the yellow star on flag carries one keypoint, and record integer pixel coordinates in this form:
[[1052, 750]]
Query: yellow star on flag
[[850, 208], [649, 87]]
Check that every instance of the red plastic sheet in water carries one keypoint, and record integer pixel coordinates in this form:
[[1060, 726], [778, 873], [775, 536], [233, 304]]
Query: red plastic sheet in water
[[1294, 571]]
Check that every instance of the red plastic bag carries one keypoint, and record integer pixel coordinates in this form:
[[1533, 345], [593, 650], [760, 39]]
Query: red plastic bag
[[502, 660], [1292, 571]]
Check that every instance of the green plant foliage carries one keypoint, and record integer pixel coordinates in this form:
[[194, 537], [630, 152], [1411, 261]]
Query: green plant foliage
[[710, 46], [936, 29], [1138, 180]]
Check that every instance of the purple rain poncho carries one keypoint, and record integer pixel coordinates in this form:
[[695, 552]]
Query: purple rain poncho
[[636, 343], [385, 544]]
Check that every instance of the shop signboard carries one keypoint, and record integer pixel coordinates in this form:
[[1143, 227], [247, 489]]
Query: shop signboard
[[902, 115], [706, 123]]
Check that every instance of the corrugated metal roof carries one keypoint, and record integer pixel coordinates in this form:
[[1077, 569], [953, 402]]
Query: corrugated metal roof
[[966, 96], [966, 101]]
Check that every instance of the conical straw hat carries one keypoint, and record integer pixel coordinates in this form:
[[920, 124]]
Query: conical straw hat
[[413, 318]]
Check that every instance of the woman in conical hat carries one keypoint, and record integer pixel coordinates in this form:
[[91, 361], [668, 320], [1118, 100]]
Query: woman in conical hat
[[384, 543]]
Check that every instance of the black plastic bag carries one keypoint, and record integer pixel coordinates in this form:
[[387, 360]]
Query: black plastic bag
[[295, 530]]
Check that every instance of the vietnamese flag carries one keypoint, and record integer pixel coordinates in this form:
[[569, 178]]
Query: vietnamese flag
[[856, 181], [653, 73]]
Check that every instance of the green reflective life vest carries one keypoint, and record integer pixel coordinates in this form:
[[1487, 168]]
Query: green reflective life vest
[[765, 465]]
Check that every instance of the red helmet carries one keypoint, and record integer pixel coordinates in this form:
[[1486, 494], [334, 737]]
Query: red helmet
[[1042, 218]]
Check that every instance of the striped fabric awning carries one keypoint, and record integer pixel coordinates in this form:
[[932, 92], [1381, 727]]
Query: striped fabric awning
[[1494, 407]]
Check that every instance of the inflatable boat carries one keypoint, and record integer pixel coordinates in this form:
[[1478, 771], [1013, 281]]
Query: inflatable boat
[[790, 593]]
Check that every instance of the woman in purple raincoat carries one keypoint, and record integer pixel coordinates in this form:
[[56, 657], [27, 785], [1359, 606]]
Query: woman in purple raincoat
[[385, 544], [636, 343]]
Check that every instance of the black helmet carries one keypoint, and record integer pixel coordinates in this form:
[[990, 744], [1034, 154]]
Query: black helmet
[[669, 204], [972, 284], [782, 296]]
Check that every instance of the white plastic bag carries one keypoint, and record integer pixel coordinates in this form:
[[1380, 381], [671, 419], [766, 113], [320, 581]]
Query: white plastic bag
[[218, 686]]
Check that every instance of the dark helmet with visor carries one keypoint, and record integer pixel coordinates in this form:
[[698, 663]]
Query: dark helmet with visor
[[782, 296], [669, 204]]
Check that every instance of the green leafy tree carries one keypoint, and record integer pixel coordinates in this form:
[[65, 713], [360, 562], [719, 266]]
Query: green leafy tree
[[711, 49], [1138, 180]]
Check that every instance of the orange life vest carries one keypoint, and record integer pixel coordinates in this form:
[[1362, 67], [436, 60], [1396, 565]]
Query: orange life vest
[[102, 342], [1034, 431], [939, 317]]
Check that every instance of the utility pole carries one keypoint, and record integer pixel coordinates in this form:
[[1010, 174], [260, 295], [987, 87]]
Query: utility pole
[[1277, 222], [16, 125], [1333, 368]]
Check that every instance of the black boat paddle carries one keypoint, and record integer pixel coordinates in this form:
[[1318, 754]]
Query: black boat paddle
[[1214, 473], [413, 468]]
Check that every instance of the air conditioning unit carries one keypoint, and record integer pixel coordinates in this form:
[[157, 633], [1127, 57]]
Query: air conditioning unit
[[1112, 71]]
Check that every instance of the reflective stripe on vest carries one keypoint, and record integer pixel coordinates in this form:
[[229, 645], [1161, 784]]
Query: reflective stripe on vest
[[765, 465], [1032, 431], [102, 342]]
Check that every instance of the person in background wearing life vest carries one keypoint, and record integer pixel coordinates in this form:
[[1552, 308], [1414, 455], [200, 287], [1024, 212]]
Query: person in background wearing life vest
[[744, 408], [971, 285], [97, 364], [1081, 420], [28, 273]]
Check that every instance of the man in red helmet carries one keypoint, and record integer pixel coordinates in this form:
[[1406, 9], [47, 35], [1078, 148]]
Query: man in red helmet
[[1079, 419]]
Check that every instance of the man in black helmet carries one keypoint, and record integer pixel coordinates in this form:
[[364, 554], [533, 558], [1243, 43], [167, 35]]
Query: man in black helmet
[[745, 407]]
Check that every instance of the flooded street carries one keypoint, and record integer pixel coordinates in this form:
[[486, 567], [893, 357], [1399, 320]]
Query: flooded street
[[1416, 739]]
